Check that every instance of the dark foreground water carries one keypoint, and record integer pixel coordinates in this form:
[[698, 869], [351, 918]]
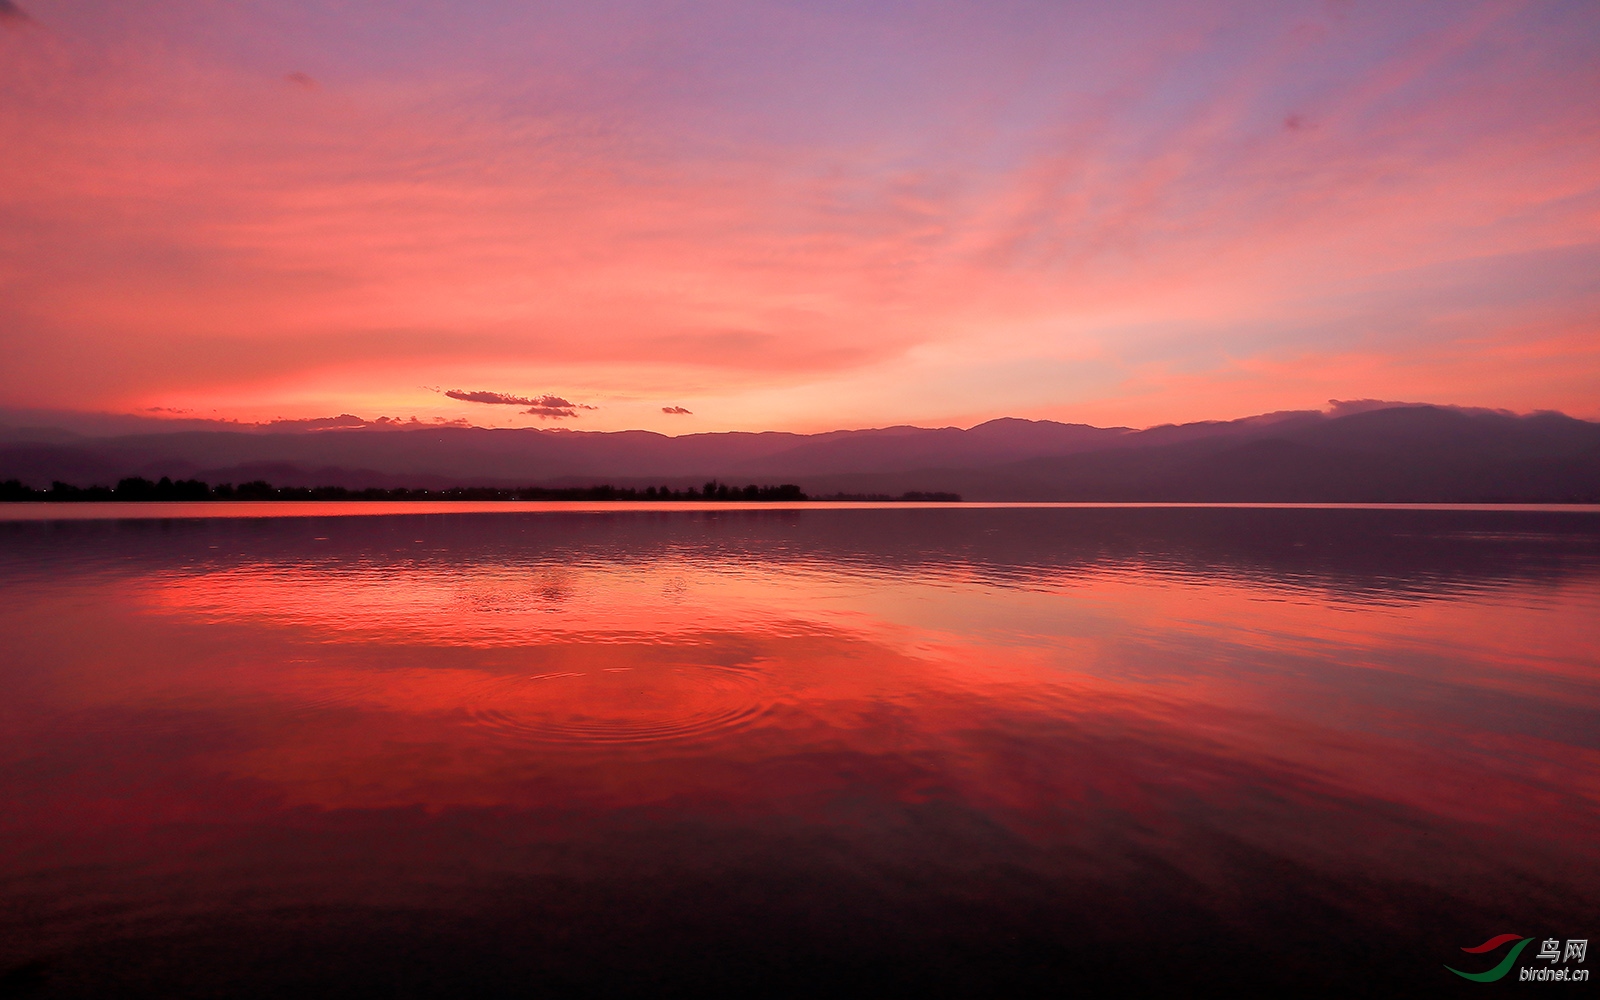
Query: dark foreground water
[[972, 752]]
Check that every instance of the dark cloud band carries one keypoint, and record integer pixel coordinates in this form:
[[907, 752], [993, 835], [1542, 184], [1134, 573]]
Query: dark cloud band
[[544, 407]]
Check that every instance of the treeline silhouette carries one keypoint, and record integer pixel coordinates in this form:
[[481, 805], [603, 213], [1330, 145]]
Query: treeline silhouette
[[912, 496], [137, 488]]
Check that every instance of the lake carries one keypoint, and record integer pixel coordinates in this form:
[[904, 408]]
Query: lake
[[638, 751]]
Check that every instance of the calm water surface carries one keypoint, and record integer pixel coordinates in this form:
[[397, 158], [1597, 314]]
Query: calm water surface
[[781, 752]]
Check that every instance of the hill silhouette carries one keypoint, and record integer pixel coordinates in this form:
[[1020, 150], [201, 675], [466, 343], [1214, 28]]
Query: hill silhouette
[[1365, 453]]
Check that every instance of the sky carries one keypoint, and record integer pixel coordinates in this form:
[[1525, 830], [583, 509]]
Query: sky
[[796, 215]]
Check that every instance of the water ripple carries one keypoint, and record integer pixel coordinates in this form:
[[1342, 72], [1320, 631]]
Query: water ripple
[[631, 705]]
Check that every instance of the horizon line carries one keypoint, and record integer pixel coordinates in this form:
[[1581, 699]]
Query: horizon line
[[351, 422]]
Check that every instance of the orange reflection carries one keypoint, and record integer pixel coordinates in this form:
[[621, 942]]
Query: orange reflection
[[567, 731], [619, 686]]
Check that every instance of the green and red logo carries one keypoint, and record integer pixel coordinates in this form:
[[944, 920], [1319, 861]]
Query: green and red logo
[[1499, 971]]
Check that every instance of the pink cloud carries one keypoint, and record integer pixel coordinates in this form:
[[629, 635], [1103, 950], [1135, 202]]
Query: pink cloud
[[634, 213]]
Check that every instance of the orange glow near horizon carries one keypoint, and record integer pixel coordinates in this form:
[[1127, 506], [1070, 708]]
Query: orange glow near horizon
[[800, 219]]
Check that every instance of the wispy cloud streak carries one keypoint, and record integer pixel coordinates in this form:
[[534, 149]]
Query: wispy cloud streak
[[546, 407]]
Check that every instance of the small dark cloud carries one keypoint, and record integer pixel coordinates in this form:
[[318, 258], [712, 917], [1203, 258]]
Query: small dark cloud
[[676, 409], [556, 408], [1295, 123], [297, 78], [165, 409], [551, 412], [484, 396], [13, 16], [544, 407]]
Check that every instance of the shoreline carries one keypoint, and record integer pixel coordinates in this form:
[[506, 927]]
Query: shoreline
[[209, 509]]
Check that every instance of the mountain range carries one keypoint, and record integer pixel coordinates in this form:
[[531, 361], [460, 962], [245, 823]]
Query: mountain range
[[1361, 452]]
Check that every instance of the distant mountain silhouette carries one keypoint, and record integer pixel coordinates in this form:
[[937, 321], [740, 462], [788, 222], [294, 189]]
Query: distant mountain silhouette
[[1372, 452]]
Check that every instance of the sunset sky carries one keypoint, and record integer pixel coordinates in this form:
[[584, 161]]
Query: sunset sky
[[796, 215]]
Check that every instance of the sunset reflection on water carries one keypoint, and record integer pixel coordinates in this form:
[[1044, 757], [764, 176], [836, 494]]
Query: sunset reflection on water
[[943, 747]]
